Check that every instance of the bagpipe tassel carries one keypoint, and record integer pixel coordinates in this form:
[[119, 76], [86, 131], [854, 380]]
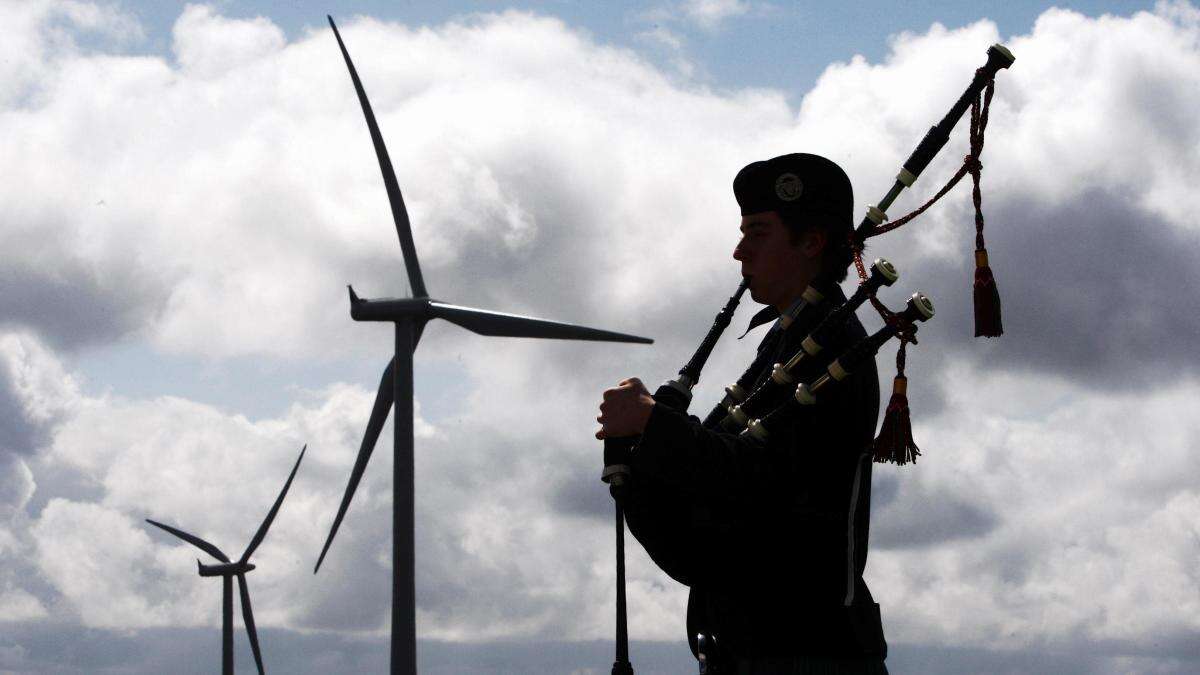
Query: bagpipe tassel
[[987, 298], [895, 442]]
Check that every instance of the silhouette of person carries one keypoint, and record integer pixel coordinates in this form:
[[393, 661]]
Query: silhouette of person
[[771, 537]]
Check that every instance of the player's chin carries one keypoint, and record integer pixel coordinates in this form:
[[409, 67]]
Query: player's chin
[[755, 293]]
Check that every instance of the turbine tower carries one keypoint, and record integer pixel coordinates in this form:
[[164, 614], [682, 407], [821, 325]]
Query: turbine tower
[[227, 570], [396, 386]]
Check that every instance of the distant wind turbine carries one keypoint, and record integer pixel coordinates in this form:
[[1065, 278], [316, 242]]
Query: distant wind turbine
[[227, 570], [395, 388]]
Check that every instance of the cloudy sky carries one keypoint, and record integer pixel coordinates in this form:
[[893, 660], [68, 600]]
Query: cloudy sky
[[188, 189]]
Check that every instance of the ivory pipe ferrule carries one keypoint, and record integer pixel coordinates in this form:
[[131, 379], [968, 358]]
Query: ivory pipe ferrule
[[780, 374], [837, 372], [757, 430], [812, 296], [683, 385], [811, 346], [739, 415]]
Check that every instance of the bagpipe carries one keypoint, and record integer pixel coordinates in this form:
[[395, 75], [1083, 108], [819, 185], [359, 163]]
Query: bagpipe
[[755, 413]]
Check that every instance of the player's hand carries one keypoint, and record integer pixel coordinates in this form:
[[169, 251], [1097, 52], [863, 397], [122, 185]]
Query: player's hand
[[625, 409]]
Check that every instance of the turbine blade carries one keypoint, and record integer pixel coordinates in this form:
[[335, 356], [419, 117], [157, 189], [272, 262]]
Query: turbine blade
[[486, 322], [266, 524], [248, 619], [399, 213], [193, 540], [379, 413]]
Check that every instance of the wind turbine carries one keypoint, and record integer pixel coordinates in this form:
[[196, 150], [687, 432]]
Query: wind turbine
[[227, 570], [396, 386]]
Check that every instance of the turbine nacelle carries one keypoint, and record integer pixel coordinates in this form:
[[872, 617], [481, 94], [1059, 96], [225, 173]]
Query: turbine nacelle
[[224, 569], [388, 309], [482, 321]]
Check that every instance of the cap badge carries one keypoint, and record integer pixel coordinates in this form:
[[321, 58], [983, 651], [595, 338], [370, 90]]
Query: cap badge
[[788, 187]]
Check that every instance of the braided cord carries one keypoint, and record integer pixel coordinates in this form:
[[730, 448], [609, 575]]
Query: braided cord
[[979, 120]]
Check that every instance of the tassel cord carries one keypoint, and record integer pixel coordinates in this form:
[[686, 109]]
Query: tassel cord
[[979, 120]]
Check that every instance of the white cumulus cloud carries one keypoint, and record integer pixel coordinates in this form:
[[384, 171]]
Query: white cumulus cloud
[[551, 175]]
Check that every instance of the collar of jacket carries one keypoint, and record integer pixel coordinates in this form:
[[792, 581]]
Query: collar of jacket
[[768, 313], [834, 296]]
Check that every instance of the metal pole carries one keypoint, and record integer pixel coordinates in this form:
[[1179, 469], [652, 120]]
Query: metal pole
[[621, 666], [227, 625], [404, 610]]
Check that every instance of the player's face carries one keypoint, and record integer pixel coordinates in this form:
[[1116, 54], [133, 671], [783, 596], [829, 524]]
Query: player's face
[[777, 269]]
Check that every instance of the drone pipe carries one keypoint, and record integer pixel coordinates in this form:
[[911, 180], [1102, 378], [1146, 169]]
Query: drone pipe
[[883, 273], [919, 308], [998, 58]]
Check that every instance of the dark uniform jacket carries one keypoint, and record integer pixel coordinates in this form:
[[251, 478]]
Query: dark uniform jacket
[[771, 537]]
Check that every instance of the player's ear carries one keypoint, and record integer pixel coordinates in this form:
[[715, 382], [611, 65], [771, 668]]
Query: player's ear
[[813, 241]]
